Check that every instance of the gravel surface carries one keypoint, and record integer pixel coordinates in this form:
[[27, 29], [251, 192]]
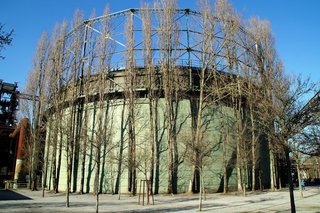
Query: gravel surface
[[23, 200]]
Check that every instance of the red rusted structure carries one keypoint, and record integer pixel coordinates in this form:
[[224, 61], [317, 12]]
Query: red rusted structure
[[22, 130]]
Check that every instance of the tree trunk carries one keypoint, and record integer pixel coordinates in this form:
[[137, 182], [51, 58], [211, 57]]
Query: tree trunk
[[194, 108], [292, 203], [57, 178], [54, 164], [68, 177], [132, 153], [130, 96], [201, 189], [299, 178], [225, 143], [239, 162], [123, 125], [152, 142], [106, 138], [89, 169], [96, 179], [253, 148], [83, 160], [44, 183], [157, 154], [272, 172], [104, 153]]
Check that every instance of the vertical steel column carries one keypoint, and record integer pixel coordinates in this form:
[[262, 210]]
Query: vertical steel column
[[188, 47]]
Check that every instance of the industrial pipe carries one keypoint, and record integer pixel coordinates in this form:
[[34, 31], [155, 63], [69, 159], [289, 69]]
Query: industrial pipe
[[21, 129]]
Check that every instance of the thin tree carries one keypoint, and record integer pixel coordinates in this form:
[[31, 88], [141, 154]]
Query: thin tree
[[168, 41], [59, 96], [290, 117], [38, 104], [230, 23], [204, 98], [130, 95], [151, 85], [75, 59], [103, 126]]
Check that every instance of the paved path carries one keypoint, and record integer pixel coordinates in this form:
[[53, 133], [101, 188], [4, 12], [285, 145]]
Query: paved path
[[28, 201]]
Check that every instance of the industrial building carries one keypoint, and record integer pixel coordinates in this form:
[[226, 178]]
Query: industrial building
[[8, 145], [114, 71]]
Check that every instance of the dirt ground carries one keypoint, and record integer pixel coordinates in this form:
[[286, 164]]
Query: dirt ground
[[23, 200]]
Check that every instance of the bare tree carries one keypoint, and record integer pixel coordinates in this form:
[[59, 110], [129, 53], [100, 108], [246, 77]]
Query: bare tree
[[99, 138], [230, 22], [264, 61], [120, 157], [205, 98], [289, 118], [74, 61], [130, 95], [310, 140], [102, 127], [168, 41], [5, 38], [152, 86], [51, 84], [255, 96], [57, 107], [37, 88], [83, 127]]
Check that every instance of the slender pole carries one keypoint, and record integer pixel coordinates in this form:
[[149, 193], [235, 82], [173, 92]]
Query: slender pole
[[143, 191], [292, 203], [148, 190], [139, 191], [200, 193]]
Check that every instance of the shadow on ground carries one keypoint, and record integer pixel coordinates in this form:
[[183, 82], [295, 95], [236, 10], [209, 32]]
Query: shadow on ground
[[11, 195], [171, 209]]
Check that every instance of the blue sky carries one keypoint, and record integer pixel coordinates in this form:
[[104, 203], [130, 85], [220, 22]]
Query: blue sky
[[295, 25]]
